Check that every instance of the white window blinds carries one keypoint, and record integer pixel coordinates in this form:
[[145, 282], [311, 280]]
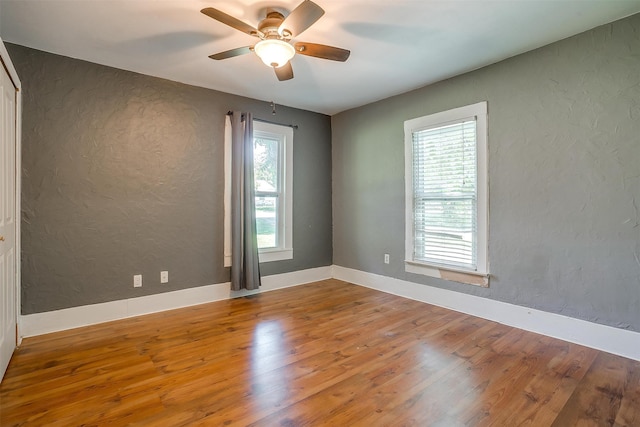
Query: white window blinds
[[445, 194]]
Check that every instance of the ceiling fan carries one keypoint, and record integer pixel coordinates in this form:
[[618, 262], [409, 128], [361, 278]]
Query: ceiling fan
[[275, 33]]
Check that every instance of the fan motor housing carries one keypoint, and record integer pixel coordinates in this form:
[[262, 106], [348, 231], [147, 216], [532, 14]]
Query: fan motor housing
[[269, 25]]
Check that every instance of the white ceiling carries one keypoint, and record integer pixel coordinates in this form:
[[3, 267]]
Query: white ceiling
[[395, 46]]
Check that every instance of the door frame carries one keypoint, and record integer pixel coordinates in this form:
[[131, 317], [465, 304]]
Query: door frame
[[13, 75]]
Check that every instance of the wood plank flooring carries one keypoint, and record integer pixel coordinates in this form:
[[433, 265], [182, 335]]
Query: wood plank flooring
[[326, 353]]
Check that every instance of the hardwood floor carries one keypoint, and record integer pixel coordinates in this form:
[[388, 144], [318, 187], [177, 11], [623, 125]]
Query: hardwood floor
[[327, 353]]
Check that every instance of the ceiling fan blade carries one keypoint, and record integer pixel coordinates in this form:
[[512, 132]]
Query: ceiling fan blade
[[285, 72], [231, 53], [231, 21], [322, 51], [300, 18]]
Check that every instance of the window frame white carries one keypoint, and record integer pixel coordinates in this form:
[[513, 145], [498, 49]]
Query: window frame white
[[479, 276], [285, 250], [284, 237]]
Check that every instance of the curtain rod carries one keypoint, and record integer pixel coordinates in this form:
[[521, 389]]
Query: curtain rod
[[268, 121]]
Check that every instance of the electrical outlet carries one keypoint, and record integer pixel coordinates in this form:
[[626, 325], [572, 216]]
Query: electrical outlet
[[386, 258], [164, 276], [137, 281]]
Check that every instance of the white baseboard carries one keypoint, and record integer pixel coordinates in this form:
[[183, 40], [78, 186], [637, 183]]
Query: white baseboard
[[69, 318], [606, 338]]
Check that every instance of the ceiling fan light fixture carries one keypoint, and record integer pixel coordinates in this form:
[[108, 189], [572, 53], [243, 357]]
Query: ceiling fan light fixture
[[273, 52]]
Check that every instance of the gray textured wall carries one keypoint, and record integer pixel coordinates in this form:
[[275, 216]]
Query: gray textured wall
[[123, 174], [564, 144]]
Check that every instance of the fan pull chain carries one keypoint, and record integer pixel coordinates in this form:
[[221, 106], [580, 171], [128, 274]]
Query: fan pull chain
[[273, 108]]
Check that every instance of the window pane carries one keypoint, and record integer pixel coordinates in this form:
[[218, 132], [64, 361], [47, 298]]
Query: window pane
[[267, 221], [445, 194], [445, 231], [265, 164]]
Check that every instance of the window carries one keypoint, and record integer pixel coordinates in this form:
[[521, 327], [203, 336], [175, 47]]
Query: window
[[273, 175], [273, 167], [446, 194]]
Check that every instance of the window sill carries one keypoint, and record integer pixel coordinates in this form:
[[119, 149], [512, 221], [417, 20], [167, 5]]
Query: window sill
[[452, 274], [275, 255], [267, 256]]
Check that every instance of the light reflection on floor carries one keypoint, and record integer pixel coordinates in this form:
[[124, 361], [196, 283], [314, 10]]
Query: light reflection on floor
[[269, 386]]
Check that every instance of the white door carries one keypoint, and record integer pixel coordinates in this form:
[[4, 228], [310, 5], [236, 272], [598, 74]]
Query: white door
[[7, 220]]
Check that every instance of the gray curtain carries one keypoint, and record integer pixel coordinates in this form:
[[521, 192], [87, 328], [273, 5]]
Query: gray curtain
[[245, 265]]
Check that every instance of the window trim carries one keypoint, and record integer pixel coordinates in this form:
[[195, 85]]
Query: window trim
[[272, 254], [480, 276], [285, 223]]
